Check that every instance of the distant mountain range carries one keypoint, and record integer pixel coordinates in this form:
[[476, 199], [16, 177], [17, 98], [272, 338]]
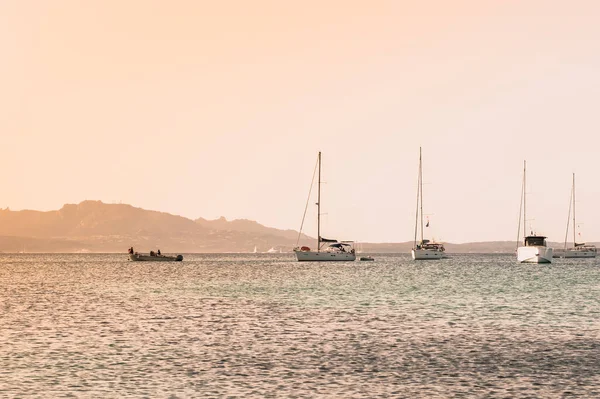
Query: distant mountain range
[[93, 226]]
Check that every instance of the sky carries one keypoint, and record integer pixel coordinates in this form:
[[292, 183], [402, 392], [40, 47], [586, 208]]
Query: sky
[[209, 109]]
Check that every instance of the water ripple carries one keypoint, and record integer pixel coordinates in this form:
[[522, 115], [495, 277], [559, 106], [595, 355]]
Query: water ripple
[[264, 326]]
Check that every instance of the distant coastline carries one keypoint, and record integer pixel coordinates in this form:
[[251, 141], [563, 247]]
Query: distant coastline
[[96, 227]]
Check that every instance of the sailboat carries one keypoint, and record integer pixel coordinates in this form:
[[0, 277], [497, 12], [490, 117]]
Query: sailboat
[[425, 249], [534, 248], [272, 251], [579, 250], [328, 250], [255, 250]]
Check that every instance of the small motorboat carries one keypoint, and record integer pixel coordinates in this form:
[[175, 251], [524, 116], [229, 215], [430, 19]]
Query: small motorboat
[[367, 259], [153, 257]]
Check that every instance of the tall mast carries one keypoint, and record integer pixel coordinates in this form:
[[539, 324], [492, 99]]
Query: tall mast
[[421, 190], [521, 213], [418, 197], [574, 226], [524, 199], [319, 208], [569, 218]]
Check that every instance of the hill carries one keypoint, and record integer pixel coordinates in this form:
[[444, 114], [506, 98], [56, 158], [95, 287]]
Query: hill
[[98, 227]]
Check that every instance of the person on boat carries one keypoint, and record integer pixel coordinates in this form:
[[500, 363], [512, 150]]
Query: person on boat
[[158, 252], [130, 251], [151, 253]]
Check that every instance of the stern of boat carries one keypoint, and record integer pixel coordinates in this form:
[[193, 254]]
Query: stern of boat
[[425, 254], [312, 256]]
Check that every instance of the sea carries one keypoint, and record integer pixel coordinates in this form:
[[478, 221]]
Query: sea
[[265, 326]]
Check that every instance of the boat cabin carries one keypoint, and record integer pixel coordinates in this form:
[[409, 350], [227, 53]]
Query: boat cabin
[[433, 246], [583, 247], [339, 246], [535, 241]]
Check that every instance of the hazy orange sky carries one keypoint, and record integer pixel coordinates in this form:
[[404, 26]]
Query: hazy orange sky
[[219, 108]]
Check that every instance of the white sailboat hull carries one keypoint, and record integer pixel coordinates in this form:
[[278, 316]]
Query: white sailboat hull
[[424, 254], [312, 256], [575, 254], [580, 254], [534, 254]]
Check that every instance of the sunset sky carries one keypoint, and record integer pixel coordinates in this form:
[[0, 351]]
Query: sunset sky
[[208, 109]]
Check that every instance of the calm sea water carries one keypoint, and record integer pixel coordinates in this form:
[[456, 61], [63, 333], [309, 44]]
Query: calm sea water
[[266, 326]]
